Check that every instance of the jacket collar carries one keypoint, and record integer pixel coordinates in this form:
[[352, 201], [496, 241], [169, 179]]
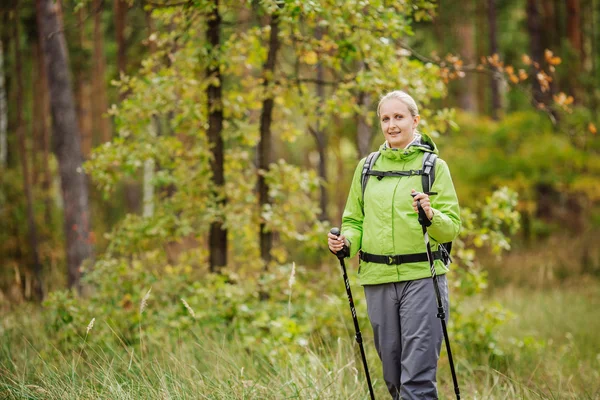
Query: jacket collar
[[419, 144]]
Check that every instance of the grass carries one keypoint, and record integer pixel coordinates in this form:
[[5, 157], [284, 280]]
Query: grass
[[556, 349], [563, 321], [554, 353], [194, 365]]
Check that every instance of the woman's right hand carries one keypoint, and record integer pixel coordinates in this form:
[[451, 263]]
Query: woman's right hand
[[336, 243]]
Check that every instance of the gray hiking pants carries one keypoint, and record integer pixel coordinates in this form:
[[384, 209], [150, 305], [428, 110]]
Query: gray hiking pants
[[408, 335]]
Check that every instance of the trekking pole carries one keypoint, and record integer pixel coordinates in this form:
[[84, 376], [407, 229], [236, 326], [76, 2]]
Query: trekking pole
[[425, 222], [340, 255]]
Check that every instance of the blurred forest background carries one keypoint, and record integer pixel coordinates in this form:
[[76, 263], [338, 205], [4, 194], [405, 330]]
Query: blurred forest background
[[169, 170]]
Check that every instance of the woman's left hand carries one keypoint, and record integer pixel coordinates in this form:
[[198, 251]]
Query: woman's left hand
[[425, 204]]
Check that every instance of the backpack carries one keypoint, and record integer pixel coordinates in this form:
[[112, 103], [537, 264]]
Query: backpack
[[427, 173]]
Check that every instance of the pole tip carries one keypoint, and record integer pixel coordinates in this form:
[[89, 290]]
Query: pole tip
[[335, 231]]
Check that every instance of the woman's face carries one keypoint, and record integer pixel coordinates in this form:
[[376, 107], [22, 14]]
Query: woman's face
[[397, 124]]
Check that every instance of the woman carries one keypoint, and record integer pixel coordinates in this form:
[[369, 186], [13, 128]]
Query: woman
[[383, 221]]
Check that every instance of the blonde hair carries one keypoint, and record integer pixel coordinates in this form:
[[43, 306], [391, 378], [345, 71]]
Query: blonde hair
[[403, 97]]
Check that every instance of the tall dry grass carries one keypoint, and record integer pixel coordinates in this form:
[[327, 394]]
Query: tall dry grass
[[557, 356]]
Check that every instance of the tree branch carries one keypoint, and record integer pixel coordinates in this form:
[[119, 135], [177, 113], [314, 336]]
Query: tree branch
[[167, 5]]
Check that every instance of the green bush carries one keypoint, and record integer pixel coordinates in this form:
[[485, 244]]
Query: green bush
[[281, 310]]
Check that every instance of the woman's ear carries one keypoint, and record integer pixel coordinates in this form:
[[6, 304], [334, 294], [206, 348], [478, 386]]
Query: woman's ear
[[416, 120]]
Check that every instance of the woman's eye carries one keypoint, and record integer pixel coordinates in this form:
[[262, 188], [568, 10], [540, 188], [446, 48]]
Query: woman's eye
[[398, 116], [385, 119]]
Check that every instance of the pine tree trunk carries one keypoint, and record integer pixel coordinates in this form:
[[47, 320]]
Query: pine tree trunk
[[493, 35], [44, 137], [120, 11], [66, 140], [84, 94], [466, 34], [36, 120], [534, 28], [594, 58], [575, 38], [3, 111], [264, 147], [574, 25], [481, 48], [99, 98], [551, 35], [31, 226], [218, 234]]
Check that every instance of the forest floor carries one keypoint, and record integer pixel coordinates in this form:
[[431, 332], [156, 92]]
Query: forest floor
[[554, 328], [556, 331]]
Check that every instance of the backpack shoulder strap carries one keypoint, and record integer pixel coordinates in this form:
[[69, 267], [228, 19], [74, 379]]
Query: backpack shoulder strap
[[369, 162], [428, 178], [428, 168]]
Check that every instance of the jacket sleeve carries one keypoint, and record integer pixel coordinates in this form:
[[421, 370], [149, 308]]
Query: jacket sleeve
[[446, 223], [352, 219]]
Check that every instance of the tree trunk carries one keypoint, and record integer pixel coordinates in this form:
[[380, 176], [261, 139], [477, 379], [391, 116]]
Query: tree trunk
[[31, 226], [534, 28], [3, 111], [574, 25], [594, 58], [99, 95], [42, 137], [36, 120], [364, 133], [218, 234], [481, 48], [120, 11], [575, 38], [321, 139], [493, 35], [557, 9], [66, 140], [264, 147], [84, 94], [552, 39], [153, 127], [467, 99], [136, 193]]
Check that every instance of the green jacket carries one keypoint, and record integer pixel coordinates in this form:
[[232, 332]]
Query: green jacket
[[388, 224]]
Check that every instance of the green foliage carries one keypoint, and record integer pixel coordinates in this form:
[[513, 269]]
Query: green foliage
[[163, 119], [554, 341], [492, 225], [289, 305], [151, 284], [523, 152], [170, 96], [294, 209]]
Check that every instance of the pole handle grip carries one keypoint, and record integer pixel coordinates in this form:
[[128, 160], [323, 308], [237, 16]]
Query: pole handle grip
[[344, 252], [423, 220]]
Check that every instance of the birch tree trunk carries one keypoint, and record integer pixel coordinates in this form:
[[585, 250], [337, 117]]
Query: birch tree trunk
[[321, 138]]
